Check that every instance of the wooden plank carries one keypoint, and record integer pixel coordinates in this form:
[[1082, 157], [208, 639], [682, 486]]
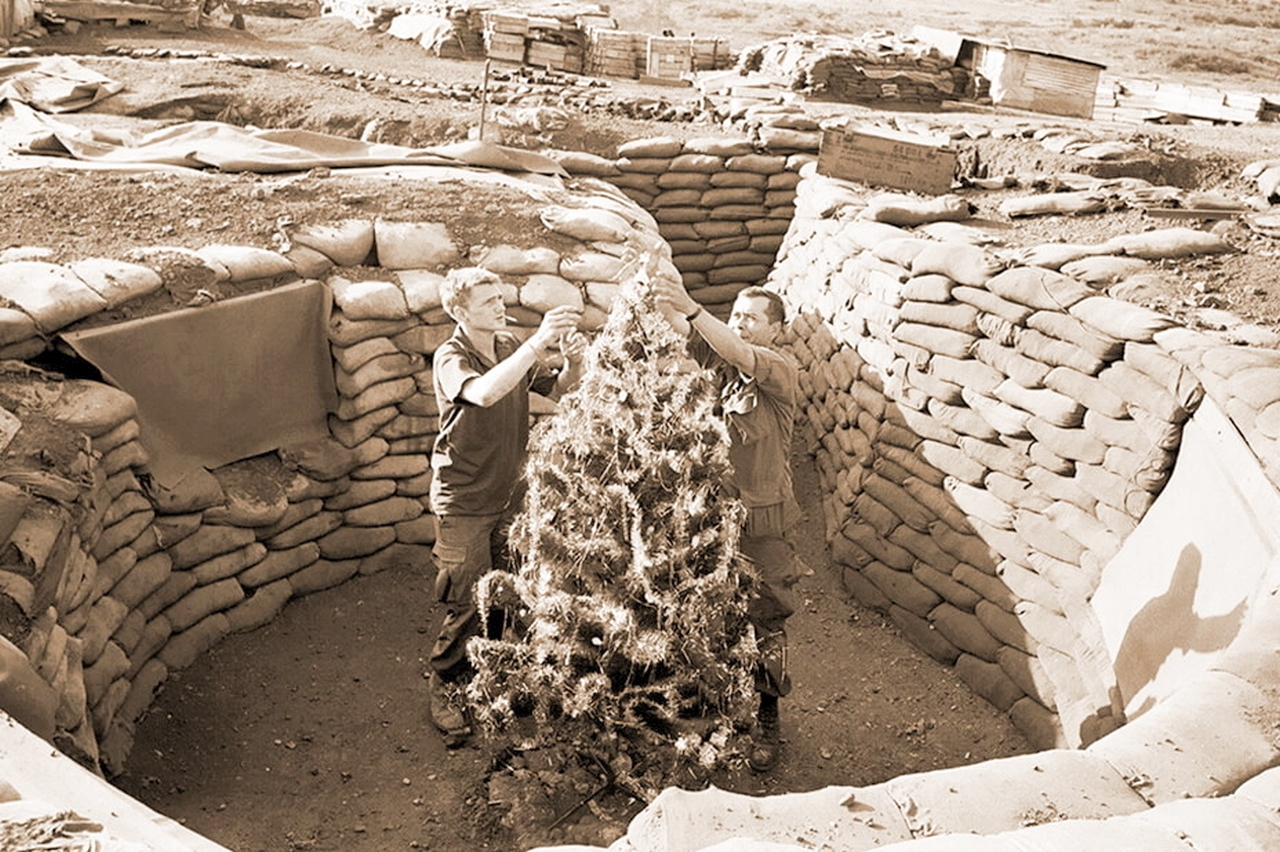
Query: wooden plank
[[107, 10], [665, 81], [1192, 213]]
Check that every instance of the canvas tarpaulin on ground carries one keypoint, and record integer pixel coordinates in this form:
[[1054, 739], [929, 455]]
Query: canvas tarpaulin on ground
[[222, 382], [53, 83], [214, 144]]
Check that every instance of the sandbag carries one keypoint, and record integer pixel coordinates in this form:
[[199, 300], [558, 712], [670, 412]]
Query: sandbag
[[988, 302], [1092, 393], [1168, 243], [1041, 289], [1045, 403], [1119, 319], [414, 245], [964, 264], [1054, 255], [50, 294], [927, 288], [1104, 269], [909, 210], [592, 266], [115, 281], [1004, 418], [544, 292], [980, 503], [368, 300], [346, 243], [1064, 203], [586, 224], [247, 263], [1056, 353], [582, 163], [506, 259], [1066, 327]]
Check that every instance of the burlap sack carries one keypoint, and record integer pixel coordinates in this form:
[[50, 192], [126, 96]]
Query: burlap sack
[[682, 197], [368, 300], [115, 281], [924, 548], [967, 372], [1101, 270], [944, 341], [1046, 458], [1121, 320], [895, 499], [1054, 203], [1002, 417], [1089, 391], [952, 461], [928, 288], [1056, 353], [346, 243], [50, 294], [964, 631], [1142, 392], [1108, 487], [1175, 377], [1037, 288], [1042, 534], [1069, 443], [956, 316], [506, 259], [1047, 404], [247, 263], [946, 586], [1058, 487], [907, 210], [962, 420], [964, 264], [995, 456], [980, 503], [1054, 255], [1169, 243], [414, 245]]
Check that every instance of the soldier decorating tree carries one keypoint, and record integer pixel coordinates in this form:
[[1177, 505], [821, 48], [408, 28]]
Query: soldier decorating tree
[[629, 611]]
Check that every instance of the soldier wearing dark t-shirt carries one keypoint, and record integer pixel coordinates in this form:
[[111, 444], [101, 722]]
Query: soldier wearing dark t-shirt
[[759, 391], [482, 377]]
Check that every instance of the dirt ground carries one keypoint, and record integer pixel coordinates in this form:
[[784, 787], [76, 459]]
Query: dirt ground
[[311, 733]]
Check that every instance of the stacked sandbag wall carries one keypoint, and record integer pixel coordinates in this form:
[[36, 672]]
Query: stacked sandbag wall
[[121, 581], [987, 436], [722, 204]]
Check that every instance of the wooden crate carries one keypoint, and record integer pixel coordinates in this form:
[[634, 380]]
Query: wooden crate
[[881, 157], [669, 57], [505, 47], [543, 55]]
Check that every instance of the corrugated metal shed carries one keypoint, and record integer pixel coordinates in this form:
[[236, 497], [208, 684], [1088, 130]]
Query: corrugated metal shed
[[1035, 80]]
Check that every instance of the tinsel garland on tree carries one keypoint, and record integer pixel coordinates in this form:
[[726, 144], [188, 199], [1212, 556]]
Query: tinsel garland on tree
[[631, 597]]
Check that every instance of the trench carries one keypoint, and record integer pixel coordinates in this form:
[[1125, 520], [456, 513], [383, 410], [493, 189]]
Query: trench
[[309, 731]]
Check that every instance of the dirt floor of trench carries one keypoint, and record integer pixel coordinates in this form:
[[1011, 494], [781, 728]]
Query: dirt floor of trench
[[312, 733]]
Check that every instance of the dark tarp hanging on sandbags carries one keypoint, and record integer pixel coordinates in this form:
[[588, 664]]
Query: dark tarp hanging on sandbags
[[222, 382]]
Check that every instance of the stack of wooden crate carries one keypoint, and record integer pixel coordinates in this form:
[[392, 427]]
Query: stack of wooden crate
[[669, 58], [553, 40], [614, 52]]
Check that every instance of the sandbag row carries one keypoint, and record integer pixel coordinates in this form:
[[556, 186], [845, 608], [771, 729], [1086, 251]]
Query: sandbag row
[[721, 205], [988, 436], [125, 580]]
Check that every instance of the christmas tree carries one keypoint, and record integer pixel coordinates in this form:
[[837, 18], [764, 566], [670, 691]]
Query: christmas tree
[[630, 600]]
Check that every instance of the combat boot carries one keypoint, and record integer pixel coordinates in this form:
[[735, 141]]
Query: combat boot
[[766, 739], [452, 722]]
